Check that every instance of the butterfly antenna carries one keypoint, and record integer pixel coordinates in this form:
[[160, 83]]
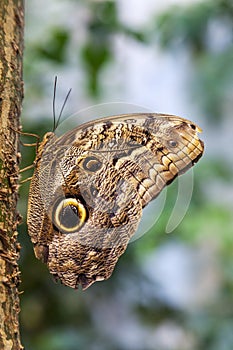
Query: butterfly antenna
[[56, 123], [54, 100], [63, 106]]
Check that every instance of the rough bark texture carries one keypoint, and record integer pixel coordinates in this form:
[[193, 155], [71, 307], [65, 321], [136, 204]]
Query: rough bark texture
[[11, 93]]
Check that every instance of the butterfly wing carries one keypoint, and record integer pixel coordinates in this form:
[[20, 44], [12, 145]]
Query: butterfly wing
[[91, 184]]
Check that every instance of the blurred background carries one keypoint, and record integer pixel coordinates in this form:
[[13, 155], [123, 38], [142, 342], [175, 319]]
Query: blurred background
[[168, 291]]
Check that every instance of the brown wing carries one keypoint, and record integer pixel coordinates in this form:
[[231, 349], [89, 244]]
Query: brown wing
[[92, 184]]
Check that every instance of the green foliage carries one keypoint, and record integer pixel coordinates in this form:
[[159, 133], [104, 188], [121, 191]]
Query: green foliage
[[97, 50], [213, 81], [180, 24], [54, 48], [189, 24], [189, 27], [103, 26]]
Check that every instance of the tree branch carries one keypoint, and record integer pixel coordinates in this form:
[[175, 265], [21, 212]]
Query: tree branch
[[11, 94]]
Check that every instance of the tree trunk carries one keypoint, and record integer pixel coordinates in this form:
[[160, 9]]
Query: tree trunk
[[11, 94]]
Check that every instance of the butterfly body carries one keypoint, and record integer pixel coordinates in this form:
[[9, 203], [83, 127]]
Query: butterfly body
[[91, 184]]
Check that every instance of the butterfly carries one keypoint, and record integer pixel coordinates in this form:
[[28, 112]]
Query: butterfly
[[91, 184]]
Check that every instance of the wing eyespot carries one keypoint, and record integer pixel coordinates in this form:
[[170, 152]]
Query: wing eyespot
[[173, 143], [193, 126], [69, 215], [92, 164]]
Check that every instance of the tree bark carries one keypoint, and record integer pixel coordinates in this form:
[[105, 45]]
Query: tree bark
[[11, 94]]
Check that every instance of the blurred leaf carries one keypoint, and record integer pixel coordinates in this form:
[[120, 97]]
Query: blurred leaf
[[188, 26], [216, 169], [184, 25], [54, 48], [95, 57], [98, 50], [213, 81]]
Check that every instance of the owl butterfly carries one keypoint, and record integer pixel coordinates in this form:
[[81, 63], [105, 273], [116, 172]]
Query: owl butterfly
[[91, 184]]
